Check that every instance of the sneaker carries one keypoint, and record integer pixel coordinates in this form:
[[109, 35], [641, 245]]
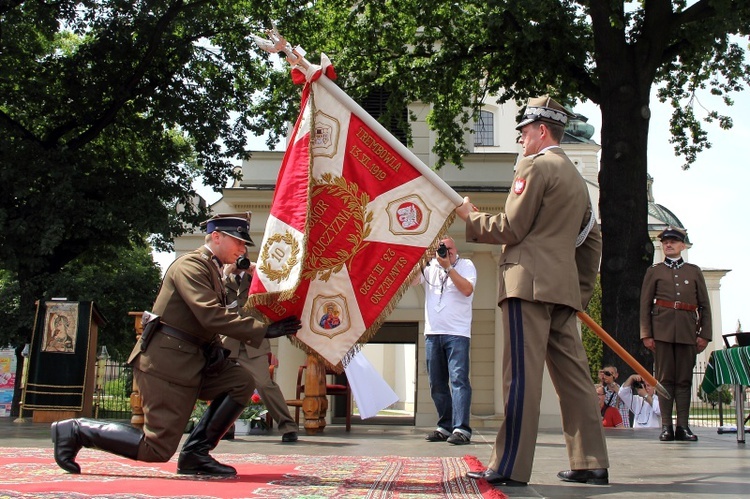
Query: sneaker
[[436, 436], [458, 438]]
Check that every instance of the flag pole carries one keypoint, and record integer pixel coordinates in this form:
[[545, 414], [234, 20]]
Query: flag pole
[[296, 57], [624, 355]]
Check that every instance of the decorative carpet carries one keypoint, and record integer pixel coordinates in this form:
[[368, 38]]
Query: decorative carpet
[[32, 473]]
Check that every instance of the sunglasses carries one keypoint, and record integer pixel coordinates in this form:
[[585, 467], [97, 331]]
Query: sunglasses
[[606, 373]]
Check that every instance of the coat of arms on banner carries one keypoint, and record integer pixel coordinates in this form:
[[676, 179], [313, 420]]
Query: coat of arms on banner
[[353, 215], [409, 215], [326, 139]]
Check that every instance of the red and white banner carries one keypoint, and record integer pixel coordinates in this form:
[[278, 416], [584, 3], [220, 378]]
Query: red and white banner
[[353, 214]]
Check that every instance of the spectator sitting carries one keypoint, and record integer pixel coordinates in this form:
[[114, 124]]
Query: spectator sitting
[[610, 416], [640, 398]]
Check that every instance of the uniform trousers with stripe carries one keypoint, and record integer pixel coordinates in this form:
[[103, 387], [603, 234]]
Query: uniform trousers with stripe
[[535, 333]]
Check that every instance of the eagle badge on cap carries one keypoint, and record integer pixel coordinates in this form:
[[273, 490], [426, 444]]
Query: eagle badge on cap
[[519, 185]]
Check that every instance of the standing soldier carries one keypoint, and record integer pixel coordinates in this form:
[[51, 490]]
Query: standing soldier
[[550, 254], [676, 326]]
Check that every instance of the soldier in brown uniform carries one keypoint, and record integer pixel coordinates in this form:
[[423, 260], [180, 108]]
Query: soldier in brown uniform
[[675, 325], [548, 266], [255, 360], [178, 360]]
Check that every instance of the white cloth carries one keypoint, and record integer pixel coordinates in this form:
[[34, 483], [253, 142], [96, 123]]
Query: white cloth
[[371, 393], [644, 415], [447, 310]]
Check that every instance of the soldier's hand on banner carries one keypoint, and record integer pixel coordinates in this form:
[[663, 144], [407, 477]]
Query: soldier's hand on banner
[[465, 208], [284, 327]]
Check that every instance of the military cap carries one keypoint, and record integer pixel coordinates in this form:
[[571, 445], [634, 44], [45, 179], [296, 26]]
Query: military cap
[[673, 233], [544, 109], [236, 225]]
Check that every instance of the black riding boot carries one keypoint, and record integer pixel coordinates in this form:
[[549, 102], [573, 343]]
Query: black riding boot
[[194, 458], [70, 435]]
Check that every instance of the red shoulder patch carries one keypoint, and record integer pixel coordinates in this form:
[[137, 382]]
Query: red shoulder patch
[[519, 185]]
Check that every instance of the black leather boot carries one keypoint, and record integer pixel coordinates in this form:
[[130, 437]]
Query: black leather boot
[[229, 435], [70, 435], [667, 433], [194, 457], [683, 434]]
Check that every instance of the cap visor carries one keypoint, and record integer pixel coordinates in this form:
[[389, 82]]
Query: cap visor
[[525, 122], [245, 238]]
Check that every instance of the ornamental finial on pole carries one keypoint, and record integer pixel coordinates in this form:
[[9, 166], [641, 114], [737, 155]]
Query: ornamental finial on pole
[[277, 43]]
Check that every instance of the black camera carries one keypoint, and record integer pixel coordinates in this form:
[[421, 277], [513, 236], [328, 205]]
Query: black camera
[[636, 385], [243, 263], [442, 250]]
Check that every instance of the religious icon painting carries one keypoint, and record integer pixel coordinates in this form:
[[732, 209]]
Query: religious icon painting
[[330, 315], [60, 327]]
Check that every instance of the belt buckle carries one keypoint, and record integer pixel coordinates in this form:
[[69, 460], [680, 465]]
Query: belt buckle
[[677, 305]]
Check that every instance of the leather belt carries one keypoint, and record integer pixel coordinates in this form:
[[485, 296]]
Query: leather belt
[[182, 335], [677, 305]]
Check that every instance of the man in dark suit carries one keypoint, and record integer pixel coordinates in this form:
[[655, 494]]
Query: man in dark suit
[[180, 361], [548, 266], [255, 360], [675, 325]]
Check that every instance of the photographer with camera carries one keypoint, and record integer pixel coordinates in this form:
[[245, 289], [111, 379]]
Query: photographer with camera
[[608, 376], [448, 282], [639, 397], [237, 278]]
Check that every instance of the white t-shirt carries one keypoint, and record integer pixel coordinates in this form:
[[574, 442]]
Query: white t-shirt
[[644, 415], [447, 310]]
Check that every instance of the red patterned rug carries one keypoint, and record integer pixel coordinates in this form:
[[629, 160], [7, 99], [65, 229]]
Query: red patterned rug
[[27, 473]]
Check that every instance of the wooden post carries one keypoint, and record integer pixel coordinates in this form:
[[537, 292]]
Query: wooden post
[[136, 403], [315, 403]]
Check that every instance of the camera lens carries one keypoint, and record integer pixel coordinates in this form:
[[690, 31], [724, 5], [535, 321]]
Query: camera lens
[[442, 250], [243, 263]]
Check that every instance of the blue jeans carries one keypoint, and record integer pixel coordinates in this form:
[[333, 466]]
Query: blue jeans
[[448, 369]]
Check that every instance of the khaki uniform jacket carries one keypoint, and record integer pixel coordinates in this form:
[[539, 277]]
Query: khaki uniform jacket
[[238, 293], [546, 209], [191, 299], [669, 325]]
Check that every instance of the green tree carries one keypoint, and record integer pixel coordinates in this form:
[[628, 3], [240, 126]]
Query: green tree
[[117, 280], [109, 111], [591, 342], [453, 55]]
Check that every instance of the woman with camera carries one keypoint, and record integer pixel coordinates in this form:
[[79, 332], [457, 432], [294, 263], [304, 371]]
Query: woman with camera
[[642, 401]]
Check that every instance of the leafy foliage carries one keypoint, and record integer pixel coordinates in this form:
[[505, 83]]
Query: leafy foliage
[[117, 281], [110, 111], [722, 394], [591, 342], [455, 55]]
